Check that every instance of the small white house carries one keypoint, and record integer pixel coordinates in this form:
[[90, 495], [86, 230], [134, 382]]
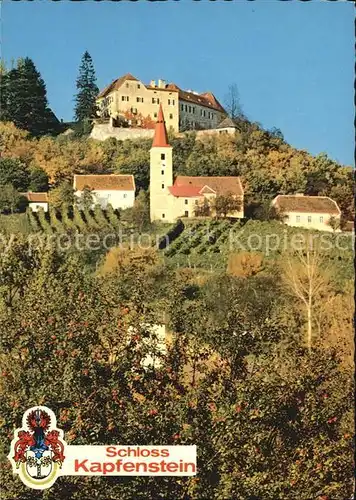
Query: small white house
[[311, 212], [115, 190], [37, 201]]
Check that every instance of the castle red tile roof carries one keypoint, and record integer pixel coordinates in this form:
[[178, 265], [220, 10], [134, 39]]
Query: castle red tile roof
[[36, 197], [206, 99], [194, 186], [301, 203], [116, 84], [111, 182]]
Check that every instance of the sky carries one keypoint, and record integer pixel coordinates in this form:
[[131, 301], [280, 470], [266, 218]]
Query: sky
[[292, 61]]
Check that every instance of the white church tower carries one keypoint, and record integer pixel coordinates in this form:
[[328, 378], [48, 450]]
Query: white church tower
[[161, 173]]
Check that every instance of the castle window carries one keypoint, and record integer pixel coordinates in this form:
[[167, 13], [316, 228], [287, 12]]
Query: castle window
[[173, 102], [182, 107], [127, 85], [163, 156], [186, 213], [155, 100], [193, 109], [170, 116], [309, 218], [125, 195], [125, 98], [162, 186], [163, 216], [186, 107], [138, 86], [162, 172], [321, 218], [155, 115], [186, 202], [298, 218], [139, 99], [190, 109]]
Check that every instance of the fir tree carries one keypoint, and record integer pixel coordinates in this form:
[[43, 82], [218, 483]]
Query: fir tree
[[85, 106], [24, 99]]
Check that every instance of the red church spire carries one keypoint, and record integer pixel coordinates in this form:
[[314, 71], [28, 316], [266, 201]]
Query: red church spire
[[160, 139]]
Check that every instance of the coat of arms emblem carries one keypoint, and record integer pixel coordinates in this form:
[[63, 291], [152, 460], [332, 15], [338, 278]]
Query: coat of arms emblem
[[37, 450]]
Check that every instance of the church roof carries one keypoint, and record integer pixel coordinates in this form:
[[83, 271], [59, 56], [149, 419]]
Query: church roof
[[160, 138], [187, 186]]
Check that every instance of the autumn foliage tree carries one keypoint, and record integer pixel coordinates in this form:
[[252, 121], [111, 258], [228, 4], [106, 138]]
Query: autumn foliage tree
[[139, 120], [245, 264], [225, 204]]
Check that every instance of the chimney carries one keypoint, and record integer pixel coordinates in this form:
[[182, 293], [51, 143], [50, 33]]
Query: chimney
[[161, 84], [152, 83]]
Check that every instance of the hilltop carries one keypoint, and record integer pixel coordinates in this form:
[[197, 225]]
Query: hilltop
[[266, 163]]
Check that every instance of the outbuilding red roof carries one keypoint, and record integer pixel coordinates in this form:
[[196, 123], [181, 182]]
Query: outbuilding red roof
[[302, 203], [111, 182], [36, 197]]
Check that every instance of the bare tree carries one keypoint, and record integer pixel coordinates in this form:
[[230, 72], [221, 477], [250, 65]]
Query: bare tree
[[305, 275], [232, 102]]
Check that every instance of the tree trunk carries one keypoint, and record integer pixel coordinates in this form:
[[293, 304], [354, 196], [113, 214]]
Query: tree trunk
[[309, 334]]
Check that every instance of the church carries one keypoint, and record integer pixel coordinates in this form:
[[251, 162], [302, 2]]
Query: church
[[186, 196]]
